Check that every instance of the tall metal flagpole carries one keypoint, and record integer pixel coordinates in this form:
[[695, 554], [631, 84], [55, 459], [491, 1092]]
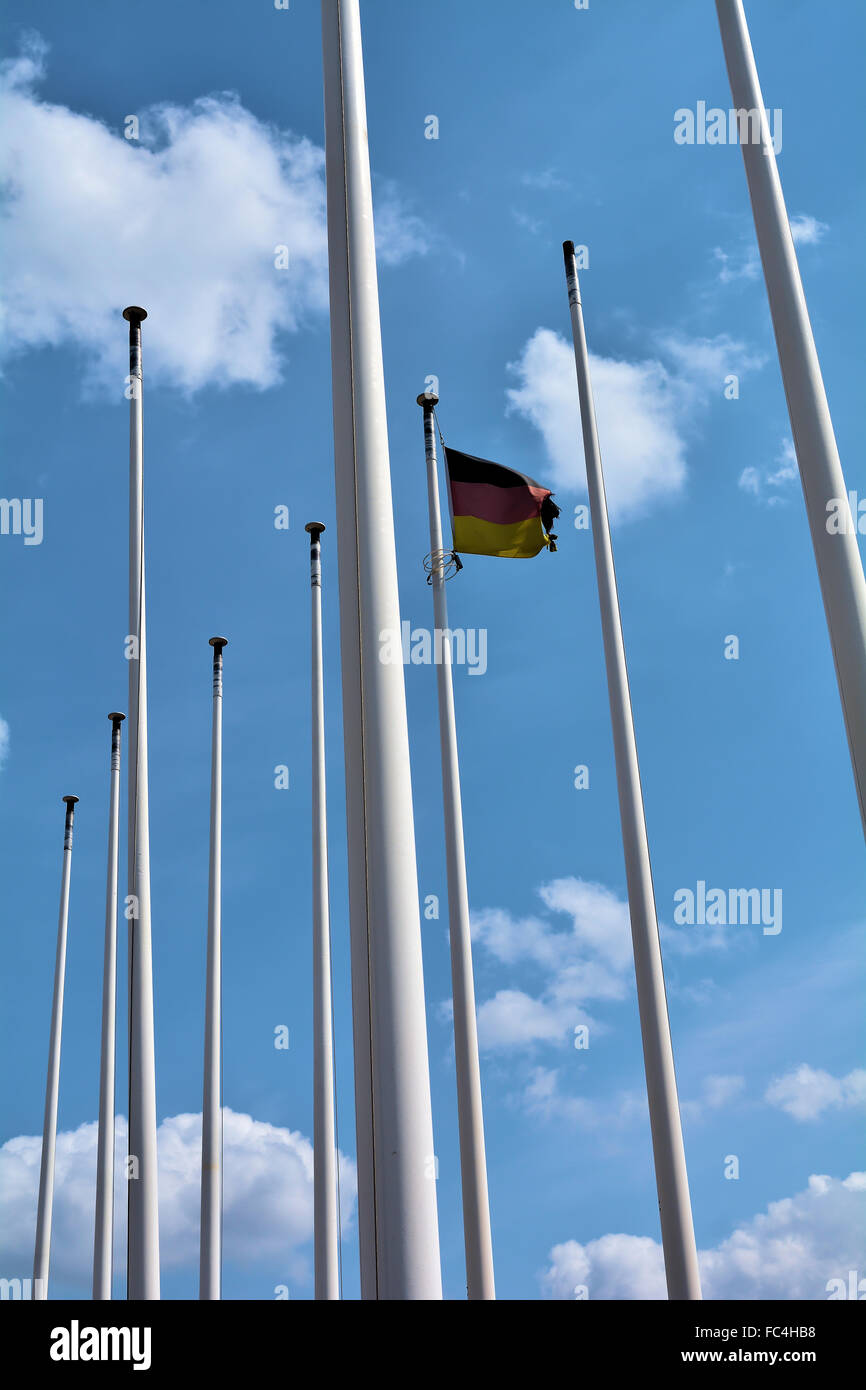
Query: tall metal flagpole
[[838, 559], [42, 1249], [210, 1262], [473, 1161], [398, 1231], [325, 1226], [678, 1237], [142, 1267], [103, 1231]]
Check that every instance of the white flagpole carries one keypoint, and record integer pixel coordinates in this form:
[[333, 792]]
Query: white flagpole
[[143, 1212], [678, 1237], [210, 1261], [836, 553], [398, 1231], [42, 1251], [103, 1231], [473, 1160], [325, 1159]]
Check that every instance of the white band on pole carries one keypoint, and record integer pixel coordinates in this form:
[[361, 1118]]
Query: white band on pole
[[398, 1231], [473, 1160], [837, 556], [103, 1229], [678, 1237], [45, 1201]]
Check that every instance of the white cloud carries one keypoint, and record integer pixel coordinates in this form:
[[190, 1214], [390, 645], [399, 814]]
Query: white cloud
[[769, 484], [267, 1199], [805, 1093], [642, 408], [527, 222], [514, 1019], [746, 264], [541, 1096], [806, 230], [543, 179], [4, 741], [716, 1093], [789, 1252], [748, 267], [589, 961], [186, 221]]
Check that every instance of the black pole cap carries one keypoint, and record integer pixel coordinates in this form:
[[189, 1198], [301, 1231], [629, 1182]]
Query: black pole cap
[[116, 717], [315, 529], [218, 643], [134, 314], [428, 399], [70, 800]]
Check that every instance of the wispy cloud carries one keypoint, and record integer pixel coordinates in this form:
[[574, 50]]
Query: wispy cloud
[[770, 485], [806, 230], [745, 264], [576, 967], [543, 179]]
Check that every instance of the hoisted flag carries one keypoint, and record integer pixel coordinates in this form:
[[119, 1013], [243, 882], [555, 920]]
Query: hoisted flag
[[497, 511]]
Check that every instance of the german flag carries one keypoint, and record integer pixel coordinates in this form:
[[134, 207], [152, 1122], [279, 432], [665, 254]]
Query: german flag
[[496, 511]]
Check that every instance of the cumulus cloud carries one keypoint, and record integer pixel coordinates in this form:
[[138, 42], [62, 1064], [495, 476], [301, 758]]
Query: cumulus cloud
[[769, 485], [644, 408], [4, 740], [186, 220], [267, 1198], [791, 1251], [806, 1092]]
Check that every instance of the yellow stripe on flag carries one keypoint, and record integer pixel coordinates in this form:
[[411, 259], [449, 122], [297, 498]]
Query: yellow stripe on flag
[[519, 540]]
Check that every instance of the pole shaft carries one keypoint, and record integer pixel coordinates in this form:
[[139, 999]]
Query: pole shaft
[[45, 1202], [210, 1261], [325, 1158], [398, 1231], [840, 570], [103, 1232], [678, 1238], [473, 1161], [143, 1223]]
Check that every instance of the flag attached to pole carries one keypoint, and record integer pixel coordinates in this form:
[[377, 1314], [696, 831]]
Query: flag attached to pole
[[497, 511]]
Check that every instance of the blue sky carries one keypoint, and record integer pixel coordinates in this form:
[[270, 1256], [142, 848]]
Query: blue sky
[[553, 123]]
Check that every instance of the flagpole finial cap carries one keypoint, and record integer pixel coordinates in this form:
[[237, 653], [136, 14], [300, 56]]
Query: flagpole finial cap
[[428, 399], [116, 717], [70, 800], [218, 643], [134, 314], [315, 529]]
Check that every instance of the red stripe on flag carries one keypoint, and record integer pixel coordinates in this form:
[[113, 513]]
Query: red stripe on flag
[[503, 505]]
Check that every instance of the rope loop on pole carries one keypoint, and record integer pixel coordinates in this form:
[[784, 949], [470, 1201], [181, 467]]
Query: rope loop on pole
[[447, 563]]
